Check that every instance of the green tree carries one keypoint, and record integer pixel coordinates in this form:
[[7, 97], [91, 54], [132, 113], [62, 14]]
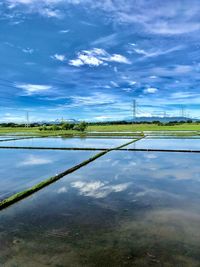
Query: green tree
[[55, 127], [67, 126], [81, 126], [43, 128]]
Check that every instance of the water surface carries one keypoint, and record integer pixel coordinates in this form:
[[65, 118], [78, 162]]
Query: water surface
[[162, 143], [68, 142], [21, 169], [2, 138], [124, 209]]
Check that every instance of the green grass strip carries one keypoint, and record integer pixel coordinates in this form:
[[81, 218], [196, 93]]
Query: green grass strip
[[129, 143]]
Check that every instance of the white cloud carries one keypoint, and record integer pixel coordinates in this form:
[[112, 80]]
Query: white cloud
[[31, 89], [150, 90], [45, 8], [28, 50], [107, 40], [102, 118], [186, 95], [58, 57], [179, 69], [76, 62], [157, 52], [110, 117], [34, 160], [50, 13], [114, 84], [93, 100], [151, 156], [62, 190], [167, 28], [119, 58], [90, 60], [12, 118], [96, 57], [171, 18], [98, 189], [15, 2], [128, 90], [64, 31], [131, 83], [173, 71], [33, 2]]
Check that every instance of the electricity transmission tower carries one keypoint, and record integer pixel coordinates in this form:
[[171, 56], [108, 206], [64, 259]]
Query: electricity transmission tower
[[182, 111], [27, 120], [134, 109], [164, 114]]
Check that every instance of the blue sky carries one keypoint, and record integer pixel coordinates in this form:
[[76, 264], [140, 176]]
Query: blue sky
[[88, 60]]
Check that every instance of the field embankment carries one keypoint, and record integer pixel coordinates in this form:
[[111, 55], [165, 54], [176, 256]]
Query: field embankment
[[105, 130]]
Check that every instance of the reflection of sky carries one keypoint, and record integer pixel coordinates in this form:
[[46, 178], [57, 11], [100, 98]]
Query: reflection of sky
[[151, 197], [193, 144], [140, 174], [135, 175], [98, 189], [68, 142], [5, 138], [20, 169]]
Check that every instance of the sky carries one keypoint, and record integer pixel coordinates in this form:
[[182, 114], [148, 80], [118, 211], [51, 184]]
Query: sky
[[88, 60]]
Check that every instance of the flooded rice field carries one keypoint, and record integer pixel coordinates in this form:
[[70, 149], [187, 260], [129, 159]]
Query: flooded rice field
[[2, 138], [21, 169], [68, 142], [126, 208], [167, 143]]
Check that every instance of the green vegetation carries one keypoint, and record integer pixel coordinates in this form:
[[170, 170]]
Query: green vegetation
[[67, 129], [145, 127], [66, 126]]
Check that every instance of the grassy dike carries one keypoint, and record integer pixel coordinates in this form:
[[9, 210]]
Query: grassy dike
[[23, 194], [106, 130]]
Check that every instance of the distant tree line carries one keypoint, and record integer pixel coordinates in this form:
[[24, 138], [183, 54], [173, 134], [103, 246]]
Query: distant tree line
[[83, 125], [142, 122]]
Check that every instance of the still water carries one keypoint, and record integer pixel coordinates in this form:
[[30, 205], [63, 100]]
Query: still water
[[68, 142], [124, 209], [21, 169], [2, 138], [180, 144]]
